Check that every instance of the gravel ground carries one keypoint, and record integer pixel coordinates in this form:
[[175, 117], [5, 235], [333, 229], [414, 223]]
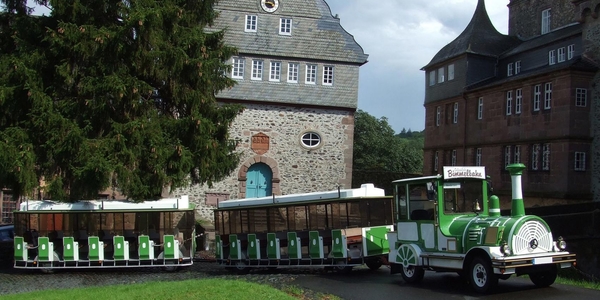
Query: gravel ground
[[13, 281]]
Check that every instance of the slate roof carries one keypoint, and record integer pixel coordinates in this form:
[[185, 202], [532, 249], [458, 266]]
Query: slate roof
[[544, 39], [479, 37], [316, 34]]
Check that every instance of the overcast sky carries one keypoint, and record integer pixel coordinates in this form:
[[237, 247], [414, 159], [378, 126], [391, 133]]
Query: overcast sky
[[401, 37]]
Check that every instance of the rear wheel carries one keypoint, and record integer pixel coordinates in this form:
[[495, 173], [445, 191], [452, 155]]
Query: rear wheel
[[481, 275], [412, 274], [545, 278], [342, 268], [241, 267], [373, 264]]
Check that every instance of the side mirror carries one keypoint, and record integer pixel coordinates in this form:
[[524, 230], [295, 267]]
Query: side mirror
[[430, 191]]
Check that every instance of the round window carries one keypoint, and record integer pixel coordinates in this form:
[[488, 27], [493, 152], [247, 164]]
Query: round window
[[311, 140]]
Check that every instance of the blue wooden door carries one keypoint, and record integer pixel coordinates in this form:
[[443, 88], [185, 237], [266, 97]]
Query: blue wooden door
[[258, 181]]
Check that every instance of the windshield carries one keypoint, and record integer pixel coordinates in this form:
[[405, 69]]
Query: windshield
[[461, 196]]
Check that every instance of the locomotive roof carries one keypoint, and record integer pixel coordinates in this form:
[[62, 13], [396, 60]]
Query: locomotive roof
[[365, 191], [181, 203]]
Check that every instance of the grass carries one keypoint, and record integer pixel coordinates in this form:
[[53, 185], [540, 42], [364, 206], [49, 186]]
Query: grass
[[574, 277]]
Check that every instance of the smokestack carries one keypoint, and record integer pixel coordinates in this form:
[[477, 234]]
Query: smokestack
[[518, 208]]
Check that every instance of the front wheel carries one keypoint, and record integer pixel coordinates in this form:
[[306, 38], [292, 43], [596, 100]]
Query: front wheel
[[412, 274], [545, 278], [481, 275]]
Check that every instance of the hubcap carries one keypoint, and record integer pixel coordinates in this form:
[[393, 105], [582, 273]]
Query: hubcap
[[479, 275], [409, 271]]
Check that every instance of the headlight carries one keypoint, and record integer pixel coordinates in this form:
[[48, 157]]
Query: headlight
[[505, 249], [561, 244]]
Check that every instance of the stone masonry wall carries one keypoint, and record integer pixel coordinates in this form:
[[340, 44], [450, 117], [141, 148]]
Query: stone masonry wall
[[296, 169]]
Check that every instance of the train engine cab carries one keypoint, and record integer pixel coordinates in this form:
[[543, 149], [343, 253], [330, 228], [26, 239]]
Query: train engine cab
[[448, 223]]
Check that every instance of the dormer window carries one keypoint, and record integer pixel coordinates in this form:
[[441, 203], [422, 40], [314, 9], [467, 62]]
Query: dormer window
[[450, 72], [546, 16], [441, 75], [285, 26], [431, 78], [551, 57], [517, 67], [509, 69], [251, 21]]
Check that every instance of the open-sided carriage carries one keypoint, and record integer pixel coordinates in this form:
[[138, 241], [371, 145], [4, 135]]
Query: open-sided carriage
[[99, 234], [336, 230]]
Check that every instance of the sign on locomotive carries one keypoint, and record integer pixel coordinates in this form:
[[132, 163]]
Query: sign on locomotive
[[448, 223]]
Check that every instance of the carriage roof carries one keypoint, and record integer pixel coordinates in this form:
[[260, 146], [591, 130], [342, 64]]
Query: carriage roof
[[180, 203]]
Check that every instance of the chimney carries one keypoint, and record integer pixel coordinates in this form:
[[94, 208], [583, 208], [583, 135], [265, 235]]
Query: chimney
[[518, 208], [494, 206]]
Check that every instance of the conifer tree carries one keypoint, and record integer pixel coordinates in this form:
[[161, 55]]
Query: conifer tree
[[113, 93]]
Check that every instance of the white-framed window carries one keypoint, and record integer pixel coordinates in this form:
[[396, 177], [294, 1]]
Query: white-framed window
[[293, 69], [237, 68], [480, 108], [518, 101], [581, 97], [561, 54], [257, 69], [537, 93], [328, 75], [454, 157], [441, 73], [547, 95], [285, 26], [509, 69], [275, 74], [509, 99], [311, 74], [438, 115], [517, 67], [570, 51], [251, 23], [478, 156], [579, 161], [517, 154], [551, 57], [436, 161], [455, 116], [546, 18], [507, 155], [311, 140], [535, 157], [431, 78], [450, 72], [546, 157]]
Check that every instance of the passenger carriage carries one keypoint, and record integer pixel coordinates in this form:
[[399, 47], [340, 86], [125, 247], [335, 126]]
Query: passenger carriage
[[448, 223], [336, 230], [99, 234]]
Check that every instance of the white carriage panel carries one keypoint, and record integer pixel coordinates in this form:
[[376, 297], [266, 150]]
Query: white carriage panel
[[428, 235], [445, 243], [449, 263], [407, 231]]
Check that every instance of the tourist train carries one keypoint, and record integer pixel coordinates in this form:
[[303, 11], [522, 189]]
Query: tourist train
[[444, 223]]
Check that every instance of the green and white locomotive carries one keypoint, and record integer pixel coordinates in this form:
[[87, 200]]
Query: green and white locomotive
[[448, 223]]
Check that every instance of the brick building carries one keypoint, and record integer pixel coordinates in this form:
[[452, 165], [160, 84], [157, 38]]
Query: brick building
[[297, 76], [494, 99]]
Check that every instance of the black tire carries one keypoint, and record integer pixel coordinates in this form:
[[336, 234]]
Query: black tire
[[374, 264], [545, 278], [342, 269], [481, 275], [412, 274], [241, 268]]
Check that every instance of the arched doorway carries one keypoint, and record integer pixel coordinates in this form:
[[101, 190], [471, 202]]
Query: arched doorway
[[258, 181]]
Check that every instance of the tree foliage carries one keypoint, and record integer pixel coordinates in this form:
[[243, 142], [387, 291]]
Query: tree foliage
[[113, 93]]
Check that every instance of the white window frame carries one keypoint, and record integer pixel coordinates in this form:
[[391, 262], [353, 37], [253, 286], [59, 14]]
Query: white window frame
[[546, 157], [551, 57], [285, 26], [450, 72], [438, 116], [507, 155], [478, 155], [518, 101], [455, 115], [237, 69], [535, 157], [537, 94], [453, 158], [509, 69], [275, 71], [480, 109], [311, 140], [251, 23], [257, 69], [509, 98], [436, 161], [580, 97], [311, 74], [579, 161], [561, 54], [432, 78], [517, 67], [571, 51], [328, 75], [293, 72], [517, 154], [546, 18], [441, 72], [547, 95]]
